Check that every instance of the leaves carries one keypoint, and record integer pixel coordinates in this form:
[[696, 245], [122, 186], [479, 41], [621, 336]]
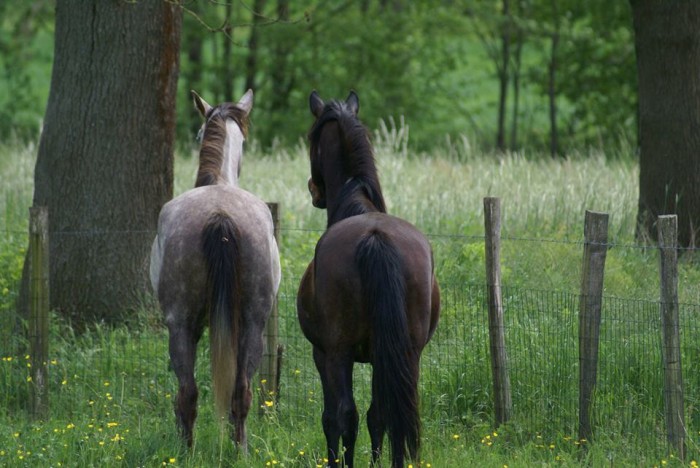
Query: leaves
[[432, 63]]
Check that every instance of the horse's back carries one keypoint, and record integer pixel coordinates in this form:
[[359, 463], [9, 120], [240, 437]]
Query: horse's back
[[331, 301], [178, 266]]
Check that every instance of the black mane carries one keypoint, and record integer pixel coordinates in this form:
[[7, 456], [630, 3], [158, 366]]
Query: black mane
[[361, 192]]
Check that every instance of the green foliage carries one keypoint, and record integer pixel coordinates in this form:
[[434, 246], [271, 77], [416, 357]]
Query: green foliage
[[26, 53], [600, 83], [431, 64], [12, 250], [16, 161]]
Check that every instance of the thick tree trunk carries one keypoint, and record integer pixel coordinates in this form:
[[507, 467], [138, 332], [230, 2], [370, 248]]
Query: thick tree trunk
[[105, 163], [667, 42]]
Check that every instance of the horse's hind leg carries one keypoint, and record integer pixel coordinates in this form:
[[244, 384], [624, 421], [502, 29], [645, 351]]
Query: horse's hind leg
[[249, 354], [340, 418], [240, 405], [183, 345], [376, 427]]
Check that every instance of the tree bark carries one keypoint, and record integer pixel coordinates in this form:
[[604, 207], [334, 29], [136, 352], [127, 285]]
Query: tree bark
[[667, 43], [105, 162]]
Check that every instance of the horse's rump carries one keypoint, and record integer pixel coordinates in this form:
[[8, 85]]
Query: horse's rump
[[206, 237], [333, 279]]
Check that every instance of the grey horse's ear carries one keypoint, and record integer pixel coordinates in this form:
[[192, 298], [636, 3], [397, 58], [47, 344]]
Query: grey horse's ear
[[353, 102], [202, 106], [316, 104], [246, 102]]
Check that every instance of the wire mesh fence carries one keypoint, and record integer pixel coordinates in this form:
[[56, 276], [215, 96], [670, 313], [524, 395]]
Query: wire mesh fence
[[104, 365]]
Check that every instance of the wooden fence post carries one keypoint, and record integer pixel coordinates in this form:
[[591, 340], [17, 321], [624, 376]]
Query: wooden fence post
[[272, 351], [39, 309], [594, 252], [670, 324], [499, 358]]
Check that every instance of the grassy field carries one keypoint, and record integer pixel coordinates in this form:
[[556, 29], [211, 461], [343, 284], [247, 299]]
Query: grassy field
[[111, 391]]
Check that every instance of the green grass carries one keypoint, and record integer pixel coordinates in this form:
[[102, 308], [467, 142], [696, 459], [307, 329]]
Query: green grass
[[111, 391]]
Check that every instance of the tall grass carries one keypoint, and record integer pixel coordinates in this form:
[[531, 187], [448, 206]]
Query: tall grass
[[112, 391], [16, 172]]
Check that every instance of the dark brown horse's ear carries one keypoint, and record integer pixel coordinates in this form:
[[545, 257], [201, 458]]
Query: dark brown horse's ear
[[202, 106], [353, 102], [316, 103]]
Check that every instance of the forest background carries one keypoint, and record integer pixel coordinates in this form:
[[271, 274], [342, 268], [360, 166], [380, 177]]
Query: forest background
[[538, 76]]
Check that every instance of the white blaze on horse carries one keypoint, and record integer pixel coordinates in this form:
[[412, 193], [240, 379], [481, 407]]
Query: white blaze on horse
[[215, 262]]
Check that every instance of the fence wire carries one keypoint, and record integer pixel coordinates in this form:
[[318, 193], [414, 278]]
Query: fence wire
[[107, 365]]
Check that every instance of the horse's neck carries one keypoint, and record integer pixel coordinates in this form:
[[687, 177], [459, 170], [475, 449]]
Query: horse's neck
[[352, 200], [232, 152], [221, 168]]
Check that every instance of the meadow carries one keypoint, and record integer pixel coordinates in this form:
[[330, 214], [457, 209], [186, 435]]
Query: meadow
[[111, 390]]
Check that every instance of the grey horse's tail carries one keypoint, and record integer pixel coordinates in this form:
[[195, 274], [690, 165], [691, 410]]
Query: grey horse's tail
[[221, 253]]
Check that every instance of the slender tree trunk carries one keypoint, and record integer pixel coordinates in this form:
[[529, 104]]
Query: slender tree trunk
[[279, 79], [215, 82], [552, 88], [251, 64], [282, 81], [503, 76], [517, 62], [105, 162], [227, 58], [667, 43], [192, 73]]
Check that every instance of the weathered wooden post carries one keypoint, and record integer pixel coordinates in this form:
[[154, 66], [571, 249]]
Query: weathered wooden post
[[499, 357], [670, 326], [39, 309], [269, 368], [594, 252]]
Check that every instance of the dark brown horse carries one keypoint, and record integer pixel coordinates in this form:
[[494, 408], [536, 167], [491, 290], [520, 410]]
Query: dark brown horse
[[215, 261], [370, 293]]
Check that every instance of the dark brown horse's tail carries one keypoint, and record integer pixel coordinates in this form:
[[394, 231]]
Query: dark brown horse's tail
[[395, 362], [220, 252]]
